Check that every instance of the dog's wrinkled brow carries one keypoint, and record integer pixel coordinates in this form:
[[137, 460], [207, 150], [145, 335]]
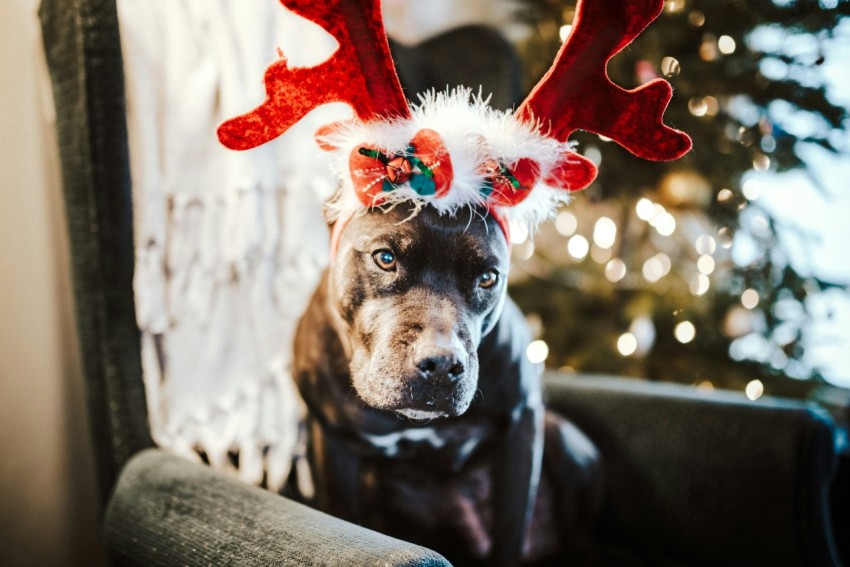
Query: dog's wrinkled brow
[[394, 240]]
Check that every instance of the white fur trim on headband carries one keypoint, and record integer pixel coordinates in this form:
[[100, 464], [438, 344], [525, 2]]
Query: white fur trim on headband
[[473, 133]]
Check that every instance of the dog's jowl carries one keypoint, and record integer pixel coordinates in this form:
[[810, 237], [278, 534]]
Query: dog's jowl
[[426, 418]]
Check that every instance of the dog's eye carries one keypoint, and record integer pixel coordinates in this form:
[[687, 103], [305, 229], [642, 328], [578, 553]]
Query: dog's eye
[[488, 279], [385, 260]]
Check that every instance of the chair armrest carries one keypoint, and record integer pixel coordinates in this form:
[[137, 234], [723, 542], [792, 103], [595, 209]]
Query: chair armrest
[[168, 511], [706, 479]]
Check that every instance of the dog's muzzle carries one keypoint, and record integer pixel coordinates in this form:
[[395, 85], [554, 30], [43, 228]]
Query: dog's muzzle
[[439, 385]]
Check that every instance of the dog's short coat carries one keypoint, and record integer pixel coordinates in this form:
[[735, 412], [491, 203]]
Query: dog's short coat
[[425, 417]]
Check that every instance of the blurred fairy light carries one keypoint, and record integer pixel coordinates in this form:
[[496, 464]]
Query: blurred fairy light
[[705, 244], [600, 255], [645, 209], [761, 162], [697, 106], [657, 210], [753, 346], [564, 32], [604, 232], [705, 386], [785, 333], [724, 236], [708, 48], [700, 285], [665, 224], [674, 6], [535, 325], [754, 389], [779, 360], [738, 322], [750, 298], [643, 329], [760, 225], [615, 270], [746, 136], [578, 247], [566, 223], [706, 264], [519, 232], [592, 153], [670, 66], [696, 18], [725, 196], [524, 251], [685, 332], [537, 351], [627, 344], [726, 45], [653, 270], [768, 143], [665, 262], [703, 106], [751, 189]]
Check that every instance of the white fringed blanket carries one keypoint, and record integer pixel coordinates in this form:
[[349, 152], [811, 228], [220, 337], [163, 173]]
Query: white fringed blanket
[[228, 245]]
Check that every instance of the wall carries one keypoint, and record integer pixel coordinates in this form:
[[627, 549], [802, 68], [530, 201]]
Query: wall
[[48, 512]]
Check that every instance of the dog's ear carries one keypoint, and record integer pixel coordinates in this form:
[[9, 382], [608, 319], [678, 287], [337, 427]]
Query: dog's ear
[[329, 214], [326, 136]]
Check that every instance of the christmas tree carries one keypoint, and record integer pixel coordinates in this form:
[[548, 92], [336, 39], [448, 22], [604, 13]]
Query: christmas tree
[[637, 277]]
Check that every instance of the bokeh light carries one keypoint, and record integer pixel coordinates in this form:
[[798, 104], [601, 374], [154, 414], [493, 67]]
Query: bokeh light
[[754, 389], [627, 344], [537, 351], [685, 332], [578, 246]]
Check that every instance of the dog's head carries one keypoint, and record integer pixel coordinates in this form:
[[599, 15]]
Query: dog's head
[[414, 297]]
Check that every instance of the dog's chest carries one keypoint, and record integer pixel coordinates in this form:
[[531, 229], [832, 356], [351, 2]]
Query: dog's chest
[[443, 446], [433, 485]]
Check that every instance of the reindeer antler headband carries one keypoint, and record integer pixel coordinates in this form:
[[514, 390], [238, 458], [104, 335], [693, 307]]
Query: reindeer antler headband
[[452, 150]]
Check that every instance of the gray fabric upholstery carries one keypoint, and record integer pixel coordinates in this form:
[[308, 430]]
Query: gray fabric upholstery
[[84, 59], [169, 511], [706, 480]]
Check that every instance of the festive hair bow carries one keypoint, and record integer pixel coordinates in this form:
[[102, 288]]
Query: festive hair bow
[[424, 164], [452, 150]]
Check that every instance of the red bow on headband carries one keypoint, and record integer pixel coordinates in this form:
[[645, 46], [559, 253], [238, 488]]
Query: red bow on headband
[[424, 165]]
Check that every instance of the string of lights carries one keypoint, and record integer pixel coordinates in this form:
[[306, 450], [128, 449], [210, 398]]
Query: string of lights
[[674, 271]]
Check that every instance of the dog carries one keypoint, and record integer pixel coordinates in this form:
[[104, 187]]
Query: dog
[[425, 417]]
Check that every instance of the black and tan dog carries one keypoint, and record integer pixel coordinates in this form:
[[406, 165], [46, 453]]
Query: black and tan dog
[[426, 418]]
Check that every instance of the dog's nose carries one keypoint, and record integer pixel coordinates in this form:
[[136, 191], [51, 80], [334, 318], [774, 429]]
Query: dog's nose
[[440, 368]]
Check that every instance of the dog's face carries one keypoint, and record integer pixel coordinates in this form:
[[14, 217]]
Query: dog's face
[[414, 298]]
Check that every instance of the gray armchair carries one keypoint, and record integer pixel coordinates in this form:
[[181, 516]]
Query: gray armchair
[[690, 479]]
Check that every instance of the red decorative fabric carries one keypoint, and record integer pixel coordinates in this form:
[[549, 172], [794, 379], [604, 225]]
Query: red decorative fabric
[[360, 72], [425, 166], [576, 92], [510, 185], [574, 173], [502, 221], [327, 130]]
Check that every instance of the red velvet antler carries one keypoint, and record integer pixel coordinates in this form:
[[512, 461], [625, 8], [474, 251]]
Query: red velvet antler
[[360, 72], [576, 92]]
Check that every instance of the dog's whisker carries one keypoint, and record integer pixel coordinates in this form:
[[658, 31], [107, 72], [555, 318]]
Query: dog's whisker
[[479, 393]]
